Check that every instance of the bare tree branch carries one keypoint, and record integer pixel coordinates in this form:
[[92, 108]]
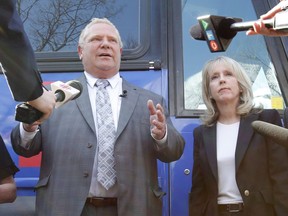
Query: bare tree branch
[[56, 24]]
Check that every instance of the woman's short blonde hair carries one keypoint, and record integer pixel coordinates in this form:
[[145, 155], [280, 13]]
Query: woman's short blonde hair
[[246, 95]]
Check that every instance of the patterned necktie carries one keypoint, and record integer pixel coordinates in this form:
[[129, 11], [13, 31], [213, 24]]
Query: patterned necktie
[[106, 136]]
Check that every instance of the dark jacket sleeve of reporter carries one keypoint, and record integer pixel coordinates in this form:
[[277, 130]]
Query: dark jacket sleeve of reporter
[[7, 166], [17, 56]]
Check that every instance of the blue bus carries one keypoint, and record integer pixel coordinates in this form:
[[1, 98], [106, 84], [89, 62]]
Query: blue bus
[[159, 55]]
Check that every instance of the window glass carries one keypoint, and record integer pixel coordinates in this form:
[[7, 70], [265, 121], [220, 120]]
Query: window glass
[[55, 25], [249, 51]]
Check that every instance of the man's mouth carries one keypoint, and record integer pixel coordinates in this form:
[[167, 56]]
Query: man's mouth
[[105, 55]]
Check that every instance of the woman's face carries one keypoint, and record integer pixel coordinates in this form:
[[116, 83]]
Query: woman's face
[[223, 85]]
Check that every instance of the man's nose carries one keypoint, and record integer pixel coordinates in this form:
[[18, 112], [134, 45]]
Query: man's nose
[[105, 43]]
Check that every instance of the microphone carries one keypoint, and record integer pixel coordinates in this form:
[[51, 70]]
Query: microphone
[[274, 132], [197, 33], [64, 92], [214, 24], [215, 30], [229, 27], [278, 22], [218, 31], [244, 26], [124, 94]]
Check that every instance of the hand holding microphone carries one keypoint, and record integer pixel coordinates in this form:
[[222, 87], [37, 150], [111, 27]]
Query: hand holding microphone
[[274, 14], [64, 92], [45, 103]]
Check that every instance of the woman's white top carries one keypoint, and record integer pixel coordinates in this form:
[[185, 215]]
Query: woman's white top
[[226, 146]]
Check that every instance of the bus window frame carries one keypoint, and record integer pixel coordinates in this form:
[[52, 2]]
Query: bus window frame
[[175, 58]]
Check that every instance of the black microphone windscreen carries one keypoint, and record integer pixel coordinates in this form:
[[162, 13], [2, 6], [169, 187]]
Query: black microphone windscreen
[[197, 33], [276, 133], [60, 95]]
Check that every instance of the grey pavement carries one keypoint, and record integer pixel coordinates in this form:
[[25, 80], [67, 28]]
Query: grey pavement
[[23, 206]]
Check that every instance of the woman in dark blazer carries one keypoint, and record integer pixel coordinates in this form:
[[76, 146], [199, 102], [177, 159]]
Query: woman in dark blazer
[[236, 171]]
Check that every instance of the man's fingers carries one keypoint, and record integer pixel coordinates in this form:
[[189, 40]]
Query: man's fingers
[[151, 107], [160, 115]]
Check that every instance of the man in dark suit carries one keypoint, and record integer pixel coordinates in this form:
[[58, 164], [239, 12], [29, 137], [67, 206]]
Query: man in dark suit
[[18, 60], [69, 140]]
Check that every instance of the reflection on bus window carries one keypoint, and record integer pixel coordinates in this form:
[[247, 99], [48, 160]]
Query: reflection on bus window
[[55, 25], [250, 52]]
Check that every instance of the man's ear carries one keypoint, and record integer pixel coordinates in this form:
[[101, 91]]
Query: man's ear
[[79, 49]]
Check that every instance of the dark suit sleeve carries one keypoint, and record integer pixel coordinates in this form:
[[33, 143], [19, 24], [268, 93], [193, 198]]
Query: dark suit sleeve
[[34, 148], [17, 56], [7, 166], [278, 166]]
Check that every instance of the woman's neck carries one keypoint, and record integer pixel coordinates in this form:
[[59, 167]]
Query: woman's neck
[[228, 116]]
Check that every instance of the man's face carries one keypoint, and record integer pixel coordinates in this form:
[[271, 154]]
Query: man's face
[[101, 52]]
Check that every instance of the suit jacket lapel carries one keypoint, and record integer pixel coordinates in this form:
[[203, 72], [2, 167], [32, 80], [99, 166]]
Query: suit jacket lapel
[[244, 136], [210, 146], [127, 103], [83, 103]]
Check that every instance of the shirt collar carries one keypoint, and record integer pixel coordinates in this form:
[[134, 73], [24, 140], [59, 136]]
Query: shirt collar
[[112, 80]]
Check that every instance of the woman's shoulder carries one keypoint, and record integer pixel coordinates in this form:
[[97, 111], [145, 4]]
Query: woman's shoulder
[[266, 113], [270, 115], [201, 128]]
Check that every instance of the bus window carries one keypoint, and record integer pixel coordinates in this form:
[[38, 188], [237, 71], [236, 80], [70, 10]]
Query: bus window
[[54, 26], [250, 51]]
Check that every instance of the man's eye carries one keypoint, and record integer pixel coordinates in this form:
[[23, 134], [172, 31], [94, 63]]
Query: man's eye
[[94, 39], [113, 40]]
